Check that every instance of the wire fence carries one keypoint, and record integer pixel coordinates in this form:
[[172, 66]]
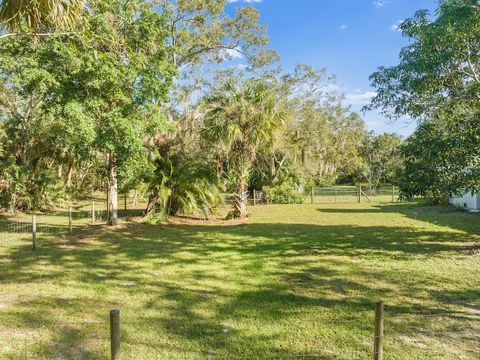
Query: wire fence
[[20, 229], [378, 335], [329, 195]]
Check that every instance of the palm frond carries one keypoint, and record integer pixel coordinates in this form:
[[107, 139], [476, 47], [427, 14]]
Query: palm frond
[[40, 14], [184, 186]]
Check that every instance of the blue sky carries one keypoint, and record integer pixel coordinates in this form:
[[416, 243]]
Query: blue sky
[[350, 38]]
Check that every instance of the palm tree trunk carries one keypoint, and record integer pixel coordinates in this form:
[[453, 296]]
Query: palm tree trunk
[[240, 199], [112, 198], [272, 173]]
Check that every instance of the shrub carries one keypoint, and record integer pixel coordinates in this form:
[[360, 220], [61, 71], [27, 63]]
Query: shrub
[[285, 193]]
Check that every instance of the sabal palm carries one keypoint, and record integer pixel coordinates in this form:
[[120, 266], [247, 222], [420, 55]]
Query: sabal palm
[[182, 185], [243, 117], [40, 14]]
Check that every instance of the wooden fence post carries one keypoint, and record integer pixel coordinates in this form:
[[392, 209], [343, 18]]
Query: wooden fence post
[[70, 219], [312, 195], [93, 212], [254, 197], [378, 340], [359, 193], [115, 334], [34, 232], [393, 193]]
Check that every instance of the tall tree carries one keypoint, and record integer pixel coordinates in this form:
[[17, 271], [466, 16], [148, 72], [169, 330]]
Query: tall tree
[[381, 157], [205, 38], [126, 78], [111, 86], [43, 130], [201, 31], [243, 117], [438, 81], [322, 136]]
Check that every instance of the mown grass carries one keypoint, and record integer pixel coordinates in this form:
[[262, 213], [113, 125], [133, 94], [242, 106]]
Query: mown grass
[[296, 281]]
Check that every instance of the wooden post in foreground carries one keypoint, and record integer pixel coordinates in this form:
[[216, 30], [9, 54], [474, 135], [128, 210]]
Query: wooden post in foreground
[[359, 193], [93, 212], [393, 193], [312, 194], [115, 334], [70, 219], [254, 197], [378, 340], [125, 200], [34, 232]]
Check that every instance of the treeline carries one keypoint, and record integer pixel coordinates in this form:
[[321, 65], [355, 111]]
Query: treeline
[[114, 94], [281, 132]]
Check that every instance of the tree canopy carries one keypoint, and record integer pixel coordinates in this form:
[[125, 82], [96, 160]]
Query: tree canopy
[[437, 82], [86, 101], [115, 94], [439, 72]]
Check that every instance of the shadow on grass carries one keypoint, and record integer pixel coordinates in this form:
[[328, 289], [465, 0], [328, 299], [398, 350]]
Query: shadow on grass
[[447, 216], [285, 257]]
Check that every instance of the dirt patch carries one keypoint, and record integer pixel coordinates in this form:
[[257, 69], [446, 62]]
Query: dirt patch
[[183, 220]]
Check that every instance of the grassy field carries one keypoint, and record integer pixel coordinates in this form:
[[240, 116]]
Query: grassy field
[[296, 281]]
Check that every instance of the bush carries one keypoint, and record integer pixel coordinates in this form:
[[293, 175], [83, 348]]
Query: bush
[[284, 194]]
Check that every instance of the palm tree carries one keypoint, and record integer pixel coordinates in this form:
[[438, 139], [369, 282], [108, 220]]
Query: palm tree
[[243, 118], [40, 14], [182, 185]]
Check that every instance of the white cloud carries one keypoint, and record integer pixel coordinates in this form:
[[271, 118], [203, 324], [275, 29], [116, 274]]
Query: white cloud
[[231, 54], [245, 1], [396, 26], [360, 98], [343, 27], [380, 3]]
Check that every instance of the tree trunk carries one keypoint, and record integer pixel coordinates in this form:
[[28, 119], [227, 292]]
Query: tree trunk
[[242, 167], [112, 198], [68, 181], [272, 173], [240, 199]]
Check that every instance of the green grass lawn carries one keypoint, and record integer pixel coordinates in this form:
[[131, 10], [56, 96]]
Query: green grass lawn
[[296, 281]]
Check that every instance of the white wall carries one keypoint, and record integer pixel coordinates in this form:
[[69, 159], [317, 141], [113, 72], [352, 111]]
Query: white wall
[[470, 200]]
